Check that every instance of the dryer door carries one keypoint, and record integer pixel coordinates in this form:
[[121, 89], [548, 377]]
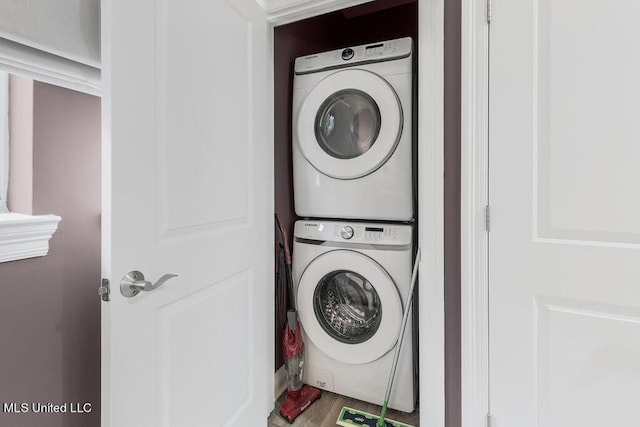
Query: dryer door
[[349, 124], [349, 306]]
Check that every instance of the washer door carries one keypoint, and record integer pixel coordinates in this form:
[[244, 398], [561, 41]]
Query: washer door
[[349, 124], [349, 306]]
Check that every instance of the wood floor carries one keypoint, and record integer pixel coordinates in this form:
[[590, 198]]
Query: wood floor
[[324, 412]]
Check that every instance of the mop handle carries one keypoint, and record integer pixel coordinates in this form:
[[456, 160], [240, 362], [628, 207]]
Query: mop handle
[[405, 318]]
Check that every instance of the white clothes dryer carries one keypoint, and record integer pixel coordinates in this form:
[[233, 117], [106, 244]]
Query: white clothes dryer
[[352, 132], [352, 280]]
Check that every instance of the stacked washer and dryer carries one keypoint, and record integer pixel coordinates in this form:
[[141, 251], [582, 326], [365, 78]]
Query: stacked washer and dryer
[[353, 148]]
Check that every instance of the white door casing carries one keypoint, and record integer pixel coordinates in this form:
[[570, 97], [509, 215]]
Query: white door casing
[[564, 246], [188, 190], [430, 118], [474, 153]]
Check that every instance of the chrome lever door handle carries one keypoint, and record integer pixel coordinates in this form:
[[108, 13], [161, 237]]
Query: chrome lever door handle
[[133, 283]]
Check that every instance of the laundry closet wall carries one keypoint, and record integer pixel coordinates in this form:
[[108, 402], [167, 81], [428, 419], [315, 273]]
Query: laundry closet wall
[[49, 306]]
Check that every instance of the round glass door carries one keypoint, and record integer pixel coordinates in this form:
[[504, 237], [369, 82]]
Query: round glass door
[[347, 124], [349, 306]]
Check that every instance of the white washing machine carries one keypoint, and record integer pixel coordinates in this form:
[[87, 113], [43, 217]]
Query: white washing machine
[[352, 132], [352, 280]]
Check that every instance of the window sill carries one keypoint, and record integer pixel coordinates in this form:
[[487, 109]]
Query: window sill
[[25, 236]]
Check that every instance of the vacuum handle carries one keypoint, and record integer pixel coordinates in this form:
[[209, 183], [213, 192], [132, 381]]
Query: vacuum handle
[[292, 319], [285, 240]]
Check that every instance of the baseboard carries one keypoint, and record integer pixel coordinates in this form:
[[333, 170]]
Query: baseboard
[[279, 382]]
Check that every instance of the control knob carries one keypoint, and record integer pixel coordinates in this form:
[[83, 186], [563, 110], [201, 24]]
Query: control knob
[[347, 232], [347, 54]]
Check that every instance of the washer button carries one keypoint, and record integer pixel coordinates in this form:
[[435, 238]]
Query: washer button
[[347, 232], [347, 54]]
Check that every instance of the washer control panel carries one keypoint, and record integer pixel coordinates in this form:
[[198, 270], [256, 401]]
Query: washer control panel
[[352, 232], [374, 52]]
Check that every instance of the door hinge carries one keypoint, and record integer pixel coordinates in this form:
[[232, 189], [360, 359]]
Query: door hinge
[[487, 218], [488, 420], [489, 10], [104, 290]]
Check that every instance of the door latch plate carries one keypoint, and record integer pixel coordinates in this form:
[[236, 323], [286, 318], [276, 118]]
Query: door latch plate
[[104, 290]]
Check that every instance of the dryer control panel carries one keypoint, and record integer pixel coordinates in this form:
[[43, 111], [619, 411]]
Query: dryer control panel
[[373, 52], [354, 232]]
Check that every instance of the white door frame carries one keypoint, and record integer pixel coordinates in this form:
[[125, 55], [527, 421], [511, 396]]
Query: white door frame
[[431, 210], [474, 305], [430, 187]]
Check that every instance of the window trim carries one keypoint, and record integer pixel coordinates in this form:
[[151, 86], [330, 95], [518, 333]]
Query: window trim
[[25, 236], [4, 140], [21, 236]]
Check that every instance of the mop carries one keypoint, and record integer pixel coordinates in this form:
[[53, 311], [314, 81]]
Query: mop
[[350, 417]]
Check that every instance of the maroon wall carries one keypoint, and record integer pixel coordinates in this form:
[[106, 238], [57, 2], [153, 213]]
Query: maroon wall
[[49, 307]]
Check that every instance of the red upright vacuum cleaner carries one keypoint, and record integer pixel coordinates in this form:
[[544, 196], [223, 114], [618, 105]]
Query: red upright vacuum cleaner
[[299, 396]]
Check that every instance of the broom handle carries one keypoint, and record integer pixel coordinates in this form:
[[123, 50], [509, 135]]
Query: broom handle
[[405, 318]]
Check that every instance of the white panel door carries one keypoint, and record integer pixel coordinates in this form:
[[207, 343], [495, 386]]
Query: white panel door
[[565, 196], [189, 191]]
